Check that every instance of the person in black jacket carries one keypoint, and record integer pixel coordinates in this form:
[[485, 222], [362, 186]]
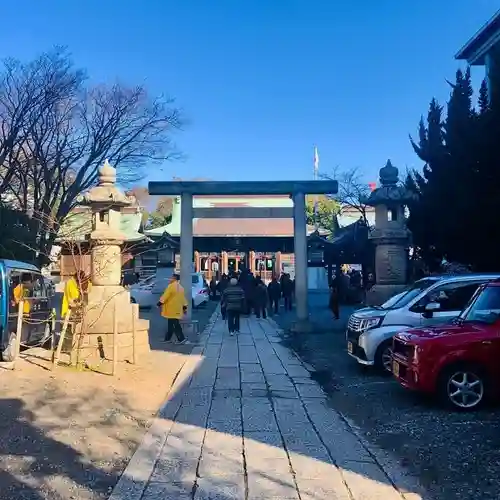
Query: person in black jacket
[[274, 292], [232, 301], [287, 291], [260, 298]]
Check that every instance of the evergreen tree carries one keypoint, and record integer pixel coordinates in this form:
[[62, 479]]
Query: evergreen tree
[[459, 190]]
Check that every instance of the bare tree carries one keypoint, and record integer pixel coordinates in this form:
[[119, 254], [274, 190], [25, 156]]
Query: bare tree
[[49, 157], [353, 191]]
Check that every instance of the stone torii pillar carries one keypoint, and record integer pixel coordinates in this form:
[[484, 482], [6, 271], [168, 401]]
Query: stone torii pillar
[[187, 248], [300, 250]]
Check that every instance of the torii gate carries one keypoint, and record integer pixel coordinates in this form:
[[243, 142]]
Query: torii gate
[[297, 190]]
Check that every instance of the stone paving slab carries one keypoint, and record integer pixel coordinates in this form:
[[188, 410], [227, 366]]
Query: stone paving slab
[[246, 422]]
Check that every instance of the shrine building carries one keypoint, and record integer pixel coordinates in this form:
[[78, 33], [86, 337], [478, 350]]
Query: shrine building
[[227, 245]]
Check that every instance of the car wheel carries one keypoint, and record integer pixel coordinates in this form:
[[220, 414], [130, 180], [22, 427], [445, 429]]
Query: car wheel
[[463, 387], [383, 357]]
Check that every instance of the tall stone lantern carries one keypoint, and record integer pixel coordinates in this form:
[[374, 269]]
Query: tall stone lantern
[[390, 235], [106, 296]]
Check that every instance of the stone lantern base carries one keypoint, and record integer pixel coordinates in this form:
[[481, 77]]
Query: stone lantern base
[[379, 294], [97, 343]]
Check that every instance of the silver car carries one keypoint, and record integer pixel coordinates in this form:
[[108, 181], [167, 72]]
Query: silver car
[[429, 301]]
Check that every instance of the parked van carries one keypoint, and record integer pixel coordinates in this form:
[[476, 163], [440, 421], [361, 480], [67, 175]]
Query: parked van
[[429, 301], [21, 280]]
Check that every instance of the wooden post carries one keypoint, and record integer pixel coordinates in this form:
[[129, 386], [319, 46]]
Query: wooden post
[[53, 332], [115, 339], [55, 358], [197, 261], [19, 331], [81, 336], [134, 331], [251, 263]]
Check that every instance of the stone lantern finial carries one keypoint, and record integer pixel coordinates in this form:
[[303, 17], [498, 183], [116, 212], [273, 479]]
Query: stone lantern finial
[[389, 175], [106, 174]]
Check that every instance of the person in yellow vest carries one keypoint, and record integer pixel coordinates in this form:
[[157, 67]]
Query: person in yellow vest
[[21, 291], [173, 306], [74, 289]]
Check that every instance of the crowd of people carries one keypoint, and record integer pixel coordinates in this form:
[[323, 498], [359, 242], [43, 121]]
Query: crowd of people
[[348, 287], [244, 293]]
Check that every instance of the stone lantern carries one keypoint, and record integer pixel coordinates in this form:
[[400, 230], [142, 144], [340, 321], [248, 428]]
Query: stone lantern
[[390, 235], [107, 295]]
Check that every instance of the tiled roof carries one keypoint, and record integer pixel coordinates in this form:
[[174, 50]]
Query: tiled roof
[[244, 227]]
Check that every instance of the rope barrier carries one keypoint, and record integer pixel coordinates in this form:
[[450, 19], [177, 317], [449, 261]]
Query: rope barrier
[[72, 318]]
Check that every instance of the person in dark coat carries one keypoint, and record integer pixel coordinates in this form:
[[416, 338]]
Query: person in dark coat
[[247, 282], [335, 297], [274, 292], [222, 285], [287, 291], [260, 298], [232, 300], [213, 288]]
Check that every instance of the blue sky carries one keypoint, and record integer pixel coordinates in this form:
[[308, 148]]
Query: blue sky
[[263, 81]]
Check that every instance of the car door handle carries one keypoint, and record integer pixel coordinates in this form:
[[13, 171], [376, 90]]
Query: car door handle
[[486, 342]]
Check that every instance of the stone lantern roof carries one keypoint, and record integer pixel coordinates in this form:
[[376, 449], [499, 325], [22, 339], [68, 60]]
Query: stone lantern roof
[[106, 192], [390, 191]]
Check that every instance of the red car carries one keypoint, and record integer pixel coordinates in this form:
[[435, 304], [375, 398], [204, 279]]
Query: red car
[[458, 361]]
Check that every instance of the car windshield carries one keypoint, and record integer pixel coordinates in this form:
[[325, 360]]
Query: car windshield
[[404, 298], [484, 306]]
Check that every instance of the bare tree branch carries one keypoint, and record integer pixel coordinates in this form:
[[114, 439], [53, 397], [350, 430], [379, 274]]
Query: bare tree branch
[[353, 190], [56, 132]]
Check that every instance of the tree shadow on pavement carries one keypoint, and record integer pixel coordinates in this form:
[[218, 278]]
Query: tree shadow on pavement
[[35, 466], [214, 438]]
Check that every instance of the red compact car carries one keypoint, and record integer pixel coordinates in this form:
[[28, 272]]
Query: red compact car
[[458, 361]]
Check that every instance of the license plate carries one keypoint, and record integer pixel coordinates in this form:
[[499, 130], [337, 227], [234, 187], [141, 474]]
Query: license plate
[[395, 368], [349, 347]]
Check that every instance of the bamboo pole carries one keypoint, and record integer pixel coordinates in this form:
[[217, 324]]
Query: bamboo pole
[[134, 331], [115, 338], [19, 331], [55, 358], [53, 333]]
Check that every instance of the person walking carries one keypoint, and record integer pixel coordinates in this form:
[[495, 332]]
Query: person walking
[[334, 297], [287, 291], [232, 301], [213, 288], [260, 298], [173, 305], [274, 292]]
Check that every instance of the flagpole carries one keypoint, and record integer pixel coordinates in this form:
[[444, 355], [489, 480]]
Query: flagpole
[[315, 177]]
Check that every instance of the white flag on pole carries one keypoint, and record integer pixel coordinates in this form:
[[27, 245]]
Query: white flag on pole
[[316, 160]]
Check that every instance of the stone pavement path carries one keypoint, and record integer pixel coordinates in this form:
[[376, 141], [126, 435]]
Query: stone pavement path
[[245, 421]]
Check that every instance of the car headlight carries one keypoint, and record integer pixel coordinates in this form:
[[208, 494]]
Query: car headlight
[[368, 323]]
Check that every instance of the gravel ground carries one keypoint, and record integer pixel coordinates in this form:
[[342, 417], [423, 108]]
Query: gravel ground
[[456, 455], [69, 435]]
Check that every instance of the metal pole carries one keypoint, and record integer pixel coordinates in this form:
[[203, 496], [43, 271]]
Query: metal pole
[[187, 248]]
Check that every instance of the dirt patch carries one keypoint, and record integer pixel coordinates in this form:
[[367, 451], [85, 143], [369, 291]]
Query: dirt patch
[[69, 435]]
